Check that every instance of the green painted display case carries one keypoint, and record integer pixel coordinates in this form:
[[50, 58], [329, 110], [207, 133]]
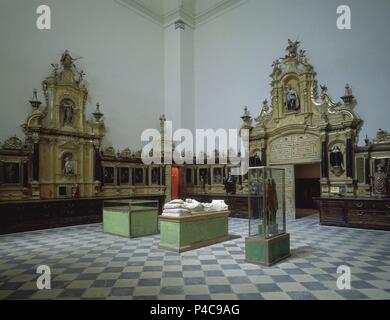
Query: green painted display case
[[268, 242], [190, 232], [130, 218]]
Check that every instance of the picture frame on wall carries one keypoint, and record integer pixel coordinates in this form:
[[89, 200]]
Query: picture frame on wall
[[218, 176], [155, 176], [108, 175], [124, 175], [189, 176], [139, 176], [11, 173], [203, 176]]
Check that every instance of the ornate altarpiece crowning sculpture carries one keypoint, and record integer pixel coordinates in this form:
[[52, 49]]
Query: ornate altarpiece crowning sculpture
[[63, 141], [62, 157], [301, 126]]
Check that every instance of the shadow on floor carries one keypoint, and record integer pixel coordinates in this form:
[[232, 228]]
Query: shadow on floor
[[302, 252], [303, 213]]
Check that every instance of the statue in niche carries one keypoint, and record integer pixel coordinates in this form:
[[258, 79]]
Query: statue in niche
[[68, 166], [255, 160], [68, 112], [292, 100], [336, 161]]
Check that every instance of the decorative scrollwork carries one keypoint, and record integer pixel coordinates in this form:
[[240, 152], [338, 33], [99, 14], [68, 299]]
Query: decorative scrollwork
[[13, 143], [126, 153], [110, 151]]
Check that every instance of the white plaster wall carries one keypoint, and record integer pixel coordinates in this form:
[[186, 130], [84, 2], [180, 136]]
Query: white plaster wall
[[137, 77], [179, 77], [172, 76], [187, 74], [123, 56], [234, 53]]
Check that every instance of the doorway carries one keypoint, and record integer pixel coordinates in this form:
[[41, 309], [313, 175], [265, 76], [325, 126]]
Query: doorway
[[178, 182], [307, 186], [175, 183]]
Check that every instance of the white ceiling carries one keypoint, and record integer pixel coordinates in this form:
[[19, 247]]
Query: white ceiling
[[192, 11]]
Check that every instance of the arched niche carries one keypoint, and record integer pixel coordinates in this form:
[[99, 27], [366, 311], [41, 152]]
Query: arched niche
[[291, 101], [67, 112]]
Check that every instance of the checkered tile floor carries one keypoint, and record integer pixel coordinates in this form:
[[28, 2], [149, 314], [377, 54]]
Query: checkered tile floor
[[88, 264]]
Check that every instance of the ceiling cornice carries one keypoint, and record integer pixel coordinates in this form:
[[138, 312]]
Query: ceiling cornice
[[142, 10], [217, 10], [181, 14], [192, 20]]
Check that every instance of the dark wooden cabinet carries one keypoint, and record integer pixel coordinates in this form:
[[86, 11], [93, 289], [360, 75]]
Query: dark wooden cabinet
[[20, 216], [370, 213]]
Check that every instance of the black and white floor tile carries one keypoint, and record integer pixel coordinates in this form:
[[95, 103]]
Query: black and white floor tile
[[86, 263]]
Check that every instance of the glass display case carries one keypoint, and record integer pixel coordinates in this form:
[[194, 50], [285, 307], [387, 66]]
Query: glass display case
[[130, 218], [267, 214], [268, 241]]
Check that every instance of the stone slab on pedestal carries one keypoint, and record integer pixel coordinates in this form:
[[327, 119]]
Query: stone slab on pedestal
[[190, 232]]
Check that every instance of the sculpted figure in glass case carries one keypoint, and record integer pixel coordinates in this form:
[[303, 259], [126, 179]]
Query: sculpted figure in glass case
[[266, 201]]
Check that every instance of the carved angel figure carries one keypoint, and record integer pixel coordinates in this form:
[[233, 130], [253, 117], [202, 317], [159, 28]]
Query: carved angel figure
[[324, 88], [81, 74], [67, 60], [55, 67], [276, 64], [292, 48], [302, 56]]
